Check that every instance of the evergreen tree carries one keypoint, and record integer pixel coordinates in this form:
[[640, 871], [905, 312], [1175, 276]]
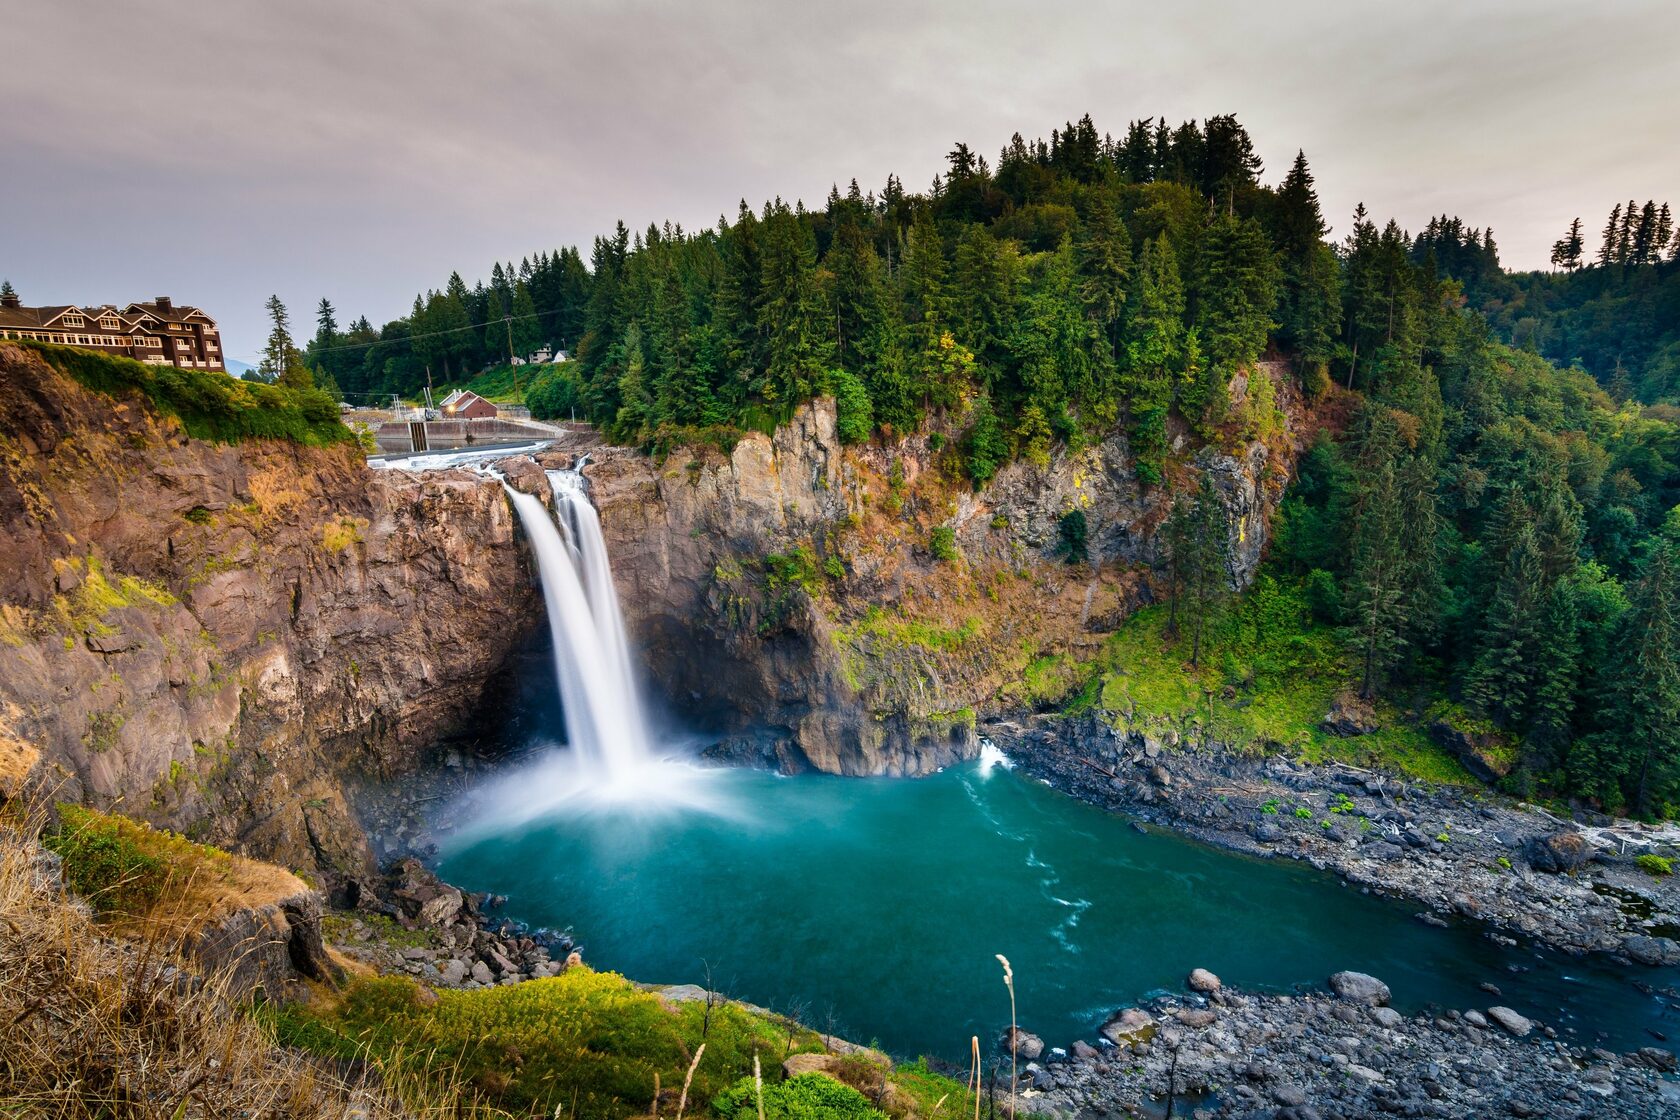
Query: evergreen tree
[[1556, 680], [984, 446], [1309, 306], [1238, 293], [1608, 239], [6, 288], [1154, 354], [1566, 251], [1199, 540], [281, 362], [1651, 677], [1503, 680], [798, 354]]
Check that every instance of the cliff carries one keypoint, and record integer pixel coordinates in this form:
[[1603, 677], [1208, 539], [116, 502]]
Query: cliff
[[215, 637], [856, 610]]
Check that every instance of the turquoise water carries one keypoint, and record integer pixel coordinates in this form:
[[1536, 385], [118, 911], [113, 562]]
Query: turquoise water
[[875, 907]]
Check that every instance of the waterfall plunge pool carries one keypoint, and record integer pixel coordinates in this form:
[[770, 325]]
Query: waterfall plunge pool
[[873, 908]]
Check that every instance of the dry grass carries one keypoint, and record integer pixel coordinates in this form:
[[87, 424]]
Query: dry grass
[[96, 1027]]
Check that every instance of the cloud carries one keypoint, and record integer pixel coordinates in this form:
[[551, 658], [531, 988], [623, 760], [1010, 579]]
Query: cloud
[[222, 150]]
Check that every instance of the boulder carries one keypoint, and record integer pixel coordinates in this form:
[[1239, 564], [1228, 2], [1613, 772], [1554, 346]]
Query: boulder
[[1486, 754], [1360, 987], [1267, 833], [1201, 980], [1350, 715], [1084, 1052], [1385, 1017], [1133, 1024], [1653, 951], [1518, 1025], [1658, 1059], [481, 972], [1197, 1017], [452, 971], [1027, 1046], [1559, 852]]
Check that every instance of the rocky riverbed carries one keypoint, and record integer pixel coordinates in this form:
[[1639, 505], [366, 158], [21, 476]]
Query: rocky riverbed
[[1462, 855], [1342, 1053]]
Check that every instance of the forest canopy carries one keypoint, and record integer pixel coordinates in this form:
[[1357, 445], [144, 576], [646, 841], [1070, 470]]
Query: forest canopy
[[1497, 526]]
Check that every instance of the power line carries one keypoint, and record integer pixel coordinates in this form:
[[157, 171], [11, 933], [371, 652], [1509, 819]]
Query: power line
[[432, 334]]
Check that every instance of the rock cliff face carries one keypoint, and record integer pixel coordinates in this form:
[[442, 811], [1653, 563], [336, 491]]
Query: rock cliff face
[[213, 637], [854, 609]]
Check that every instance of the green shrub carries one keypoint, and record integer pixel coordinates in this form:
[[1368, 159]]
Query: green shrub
[[1269, 806], [854, 415], [1654, 865], [943, 544], [810, 1096], [1073, 534], [1304, 813], [210, 405], [105, 864]]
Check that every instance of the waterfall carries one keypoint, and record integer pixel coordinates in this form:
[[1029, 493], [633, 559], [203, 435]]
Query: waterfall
[[604, 721], [582, 526]]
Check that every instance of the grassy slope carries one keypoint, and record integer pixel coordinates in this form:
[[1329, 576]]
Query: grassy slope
[[210, 406], [590, 1043]]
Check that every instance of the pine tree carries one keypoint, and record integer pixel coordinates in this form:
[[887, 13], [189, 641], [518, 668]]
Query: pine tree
[[281, 362], [1199, 543], [6, 288], [1154, 354], [1651, 675], [1566, 251], [798, 353], [1104, 253], [1309, 306], [984, 446], [1607, 243], [1503, 679], [1556, 677], [527, 327]]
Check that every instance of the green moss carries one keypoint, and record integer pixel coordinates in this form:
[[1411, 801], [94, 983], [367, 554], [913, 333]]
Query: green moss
[[106, 863], [942, 544], [211, 406]]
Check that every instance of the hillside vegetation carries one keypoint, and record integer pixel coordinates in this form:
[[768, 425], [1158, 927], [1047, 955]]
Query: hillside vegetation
[[210, 405], [1487, 528]]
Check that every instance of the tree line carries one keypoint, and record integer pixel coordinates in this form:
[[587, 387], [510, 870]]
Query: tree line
[[1493, 528]]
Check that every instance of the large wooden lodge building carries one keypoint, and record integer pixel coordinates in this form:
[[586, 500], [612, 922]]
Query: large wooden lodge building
[[158, 333]]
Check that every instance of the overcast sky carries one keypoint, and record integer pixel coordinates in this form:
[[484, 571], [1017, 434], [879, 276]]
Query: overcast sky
[[220, 150]]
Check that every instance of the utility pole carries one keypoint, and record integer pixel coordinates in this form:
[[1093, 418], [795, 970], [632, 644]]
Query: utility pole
[[513, 365]]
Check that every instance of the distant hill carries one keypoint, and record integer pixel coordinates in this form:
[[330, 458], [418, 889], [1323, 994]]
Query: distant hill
[[239, 368]]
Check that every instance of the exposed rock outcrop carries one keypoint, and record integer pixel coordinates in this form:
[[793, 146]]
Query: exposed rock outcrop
[[854, 609], [214, 636]]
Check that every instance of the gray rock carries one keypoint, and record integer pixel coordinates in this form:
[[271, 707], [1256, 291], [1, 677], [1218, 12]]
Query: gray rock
[[1133, 1024], [1475, 1018], [1653, 951], [452, 971], [1516, 1024], [1028, 1046], [1660, 1060], [1267, 833], [1289, 1095], [1386, 1017], [481, 972], [1201, 980], [1557, 853], [1361, 987]]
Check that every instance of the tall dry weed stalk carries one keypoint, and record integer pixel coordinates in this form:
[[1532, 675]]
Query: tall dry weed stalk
[[1014, 1031]]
